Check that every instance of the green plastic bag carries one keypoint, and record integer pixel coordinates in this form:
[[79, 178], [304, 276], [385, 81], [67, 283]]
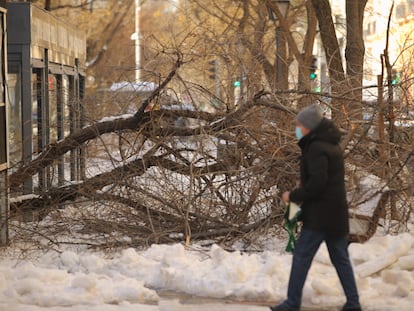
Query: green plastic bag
[[292, 213]]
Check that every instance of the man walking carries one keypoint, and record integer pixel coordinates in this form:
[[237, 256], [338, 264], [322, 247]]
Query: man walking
[[324, 208]]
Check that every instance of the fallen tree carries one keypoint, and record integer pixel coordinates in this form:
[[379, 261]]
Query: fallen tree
[[219, 178]]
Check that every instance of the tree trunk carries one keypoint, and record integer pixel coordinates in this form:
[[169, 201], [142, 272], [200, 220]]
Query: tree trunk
[[333, 54], [354, 53], [48, 4], [255, 46], [304, 71]]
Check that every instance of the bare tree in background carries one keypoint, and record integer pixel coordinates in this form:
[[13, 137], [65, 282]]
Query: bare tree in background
[[161, 169]]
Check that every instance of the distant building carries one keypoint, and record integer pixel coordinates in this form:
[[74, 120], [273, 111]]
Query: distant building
[[401, 38], [401, 41]]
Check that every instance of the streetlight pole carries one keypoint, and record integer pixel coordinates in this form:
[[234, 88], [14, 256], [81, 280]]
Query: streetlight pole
[[137, 41], [281, 68]]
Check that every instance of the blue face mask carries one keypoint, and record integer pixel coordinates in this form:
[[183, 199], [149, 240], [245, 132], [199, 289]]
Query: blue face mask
[[298, 133]]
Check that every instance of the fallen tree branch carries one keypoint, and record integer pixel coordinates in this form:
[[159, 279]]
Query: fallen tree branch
[[54, 151]]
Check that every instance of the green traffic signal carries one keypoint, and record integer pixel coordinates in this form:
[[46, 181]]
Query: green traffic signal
[[396, 79], [313, 67]]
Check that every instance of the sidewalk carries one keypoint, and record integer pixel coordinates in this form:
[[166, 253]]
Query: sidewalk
[[184, 302]]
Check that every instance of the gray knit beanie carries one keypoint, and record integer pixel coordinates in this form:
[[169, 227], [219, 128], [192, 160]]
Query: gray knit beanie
[[310, 117]]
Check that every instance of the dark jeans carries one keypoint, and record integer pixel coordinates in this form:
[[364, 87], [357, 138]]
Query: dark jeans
[[305, 250]]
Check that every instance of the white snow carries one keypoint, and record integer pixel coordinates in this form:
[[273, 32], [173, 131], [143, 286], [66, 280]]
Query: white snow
[[23, 197], [364, 200], [367, 197], [386, 258], [126, 86], [114, 118], [130, 279]]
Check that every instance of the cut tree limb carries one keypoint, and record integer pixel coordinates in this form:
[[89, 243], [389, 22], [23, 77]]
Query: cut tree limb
[[54, 151]]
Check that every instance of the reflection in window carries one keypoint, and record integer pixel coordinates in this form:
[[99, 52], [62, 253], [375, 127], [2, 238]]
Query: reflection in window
[[66, 116], [53, 120], [3, 150], [1, 62], [36, 89], [15, 114], [66, 108]]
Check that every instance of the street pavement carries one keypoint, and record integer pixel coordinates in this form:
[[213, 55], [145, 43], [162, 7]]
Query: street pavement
[[171, 301]]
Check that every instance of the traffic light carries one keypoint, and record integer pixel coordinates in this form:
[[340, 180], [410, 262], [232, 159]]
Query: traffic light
[[313, 67], [396, 77], [212, 69]]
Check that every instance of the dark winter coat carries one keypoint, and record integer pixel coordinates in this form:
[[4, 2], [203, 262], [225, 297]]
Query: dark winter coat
[[322, 191]]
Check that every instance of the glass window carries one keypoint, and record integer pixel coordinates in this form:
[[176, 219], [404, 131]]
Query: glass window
[[400, 11], [1, 60], [3, 150], [53, 119], [411, 6], [36, 92], [4, 205], [66, 105], [15, 113]]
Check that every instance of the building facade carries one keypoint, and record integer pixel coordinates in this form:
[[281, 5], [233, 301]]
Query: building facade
[[4, 145], [401, 34], [46, 84]]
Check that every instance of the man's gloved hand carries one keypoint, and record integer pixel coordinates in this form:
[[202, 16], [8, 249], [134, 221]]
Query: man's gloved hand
[[285, 197]]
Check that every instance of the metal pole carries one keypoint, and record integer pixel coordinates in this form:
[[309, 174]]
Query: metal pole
[[27, 113], [381, 130], [281, 74], [217, 77]]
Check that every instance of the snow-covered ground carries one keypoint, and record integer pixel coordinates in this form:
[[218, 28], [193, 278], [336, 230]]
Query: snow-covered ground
[[130, 279]]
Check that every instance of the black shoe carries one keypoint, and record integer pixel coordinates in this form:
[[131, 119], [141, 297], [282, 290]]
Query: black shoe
[[282, 307], [351, 309]]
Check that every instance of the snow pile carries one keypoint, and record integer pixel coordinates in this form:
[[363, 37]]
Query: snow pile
[[393, 251], [384, 268], [71, 279]]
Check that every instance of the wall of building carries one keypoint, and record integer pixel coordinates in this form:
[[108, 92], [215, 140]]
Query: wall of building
[[375, 33]]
